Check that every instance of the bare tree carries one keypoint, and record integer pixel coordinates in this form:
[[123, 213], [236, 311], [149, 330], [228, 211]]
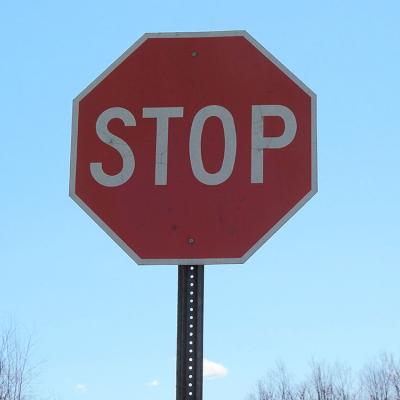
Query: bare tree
[[323, 383], [344, 387], [395, 378], [380, 380], [15, 371], [328, 383], [277, 386], [376, 379], [320, 385]]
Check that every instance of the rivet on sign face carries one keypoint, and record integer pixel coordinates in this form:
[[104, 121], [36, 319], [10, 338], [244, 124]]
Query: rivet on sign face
[[195, 53], [191, 241]]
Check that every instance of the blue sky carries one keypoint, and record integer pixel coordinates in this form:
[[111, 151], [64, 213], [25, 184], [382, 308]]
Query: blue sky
[[324, 287]]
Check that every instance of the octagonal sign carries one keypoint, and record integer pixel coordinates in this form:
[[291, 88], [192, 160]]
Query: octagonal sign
[[193, 148]]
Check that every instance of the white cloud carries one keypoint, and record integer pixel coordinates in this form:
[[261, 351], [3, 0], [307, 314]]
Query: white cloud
[[81, 387], [154, 383], [213, 370]]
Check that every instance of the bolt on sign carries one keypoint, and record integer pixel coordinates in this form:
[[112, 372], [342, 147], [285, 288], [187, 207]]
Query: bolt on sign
[[193, 148]]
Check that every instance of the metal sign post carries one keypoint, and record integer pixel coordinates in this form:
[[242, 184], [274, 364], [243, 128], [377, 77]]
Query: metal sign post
[[189, 362]]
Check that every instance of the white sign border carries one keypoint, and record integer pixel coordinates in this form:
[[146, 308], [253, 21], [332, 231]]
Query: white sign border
[[202, 261]]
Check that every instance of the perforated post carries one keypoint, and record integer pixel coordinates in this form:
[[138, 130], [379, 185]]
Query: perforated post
[[189, 365]]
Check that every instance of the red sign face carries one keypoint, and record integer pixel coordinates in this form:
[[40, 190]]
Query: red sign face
[[193, 148]]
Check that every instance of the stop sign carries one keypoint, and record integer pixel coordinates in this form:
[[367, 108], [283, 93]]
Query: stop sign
[[193, 148]]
